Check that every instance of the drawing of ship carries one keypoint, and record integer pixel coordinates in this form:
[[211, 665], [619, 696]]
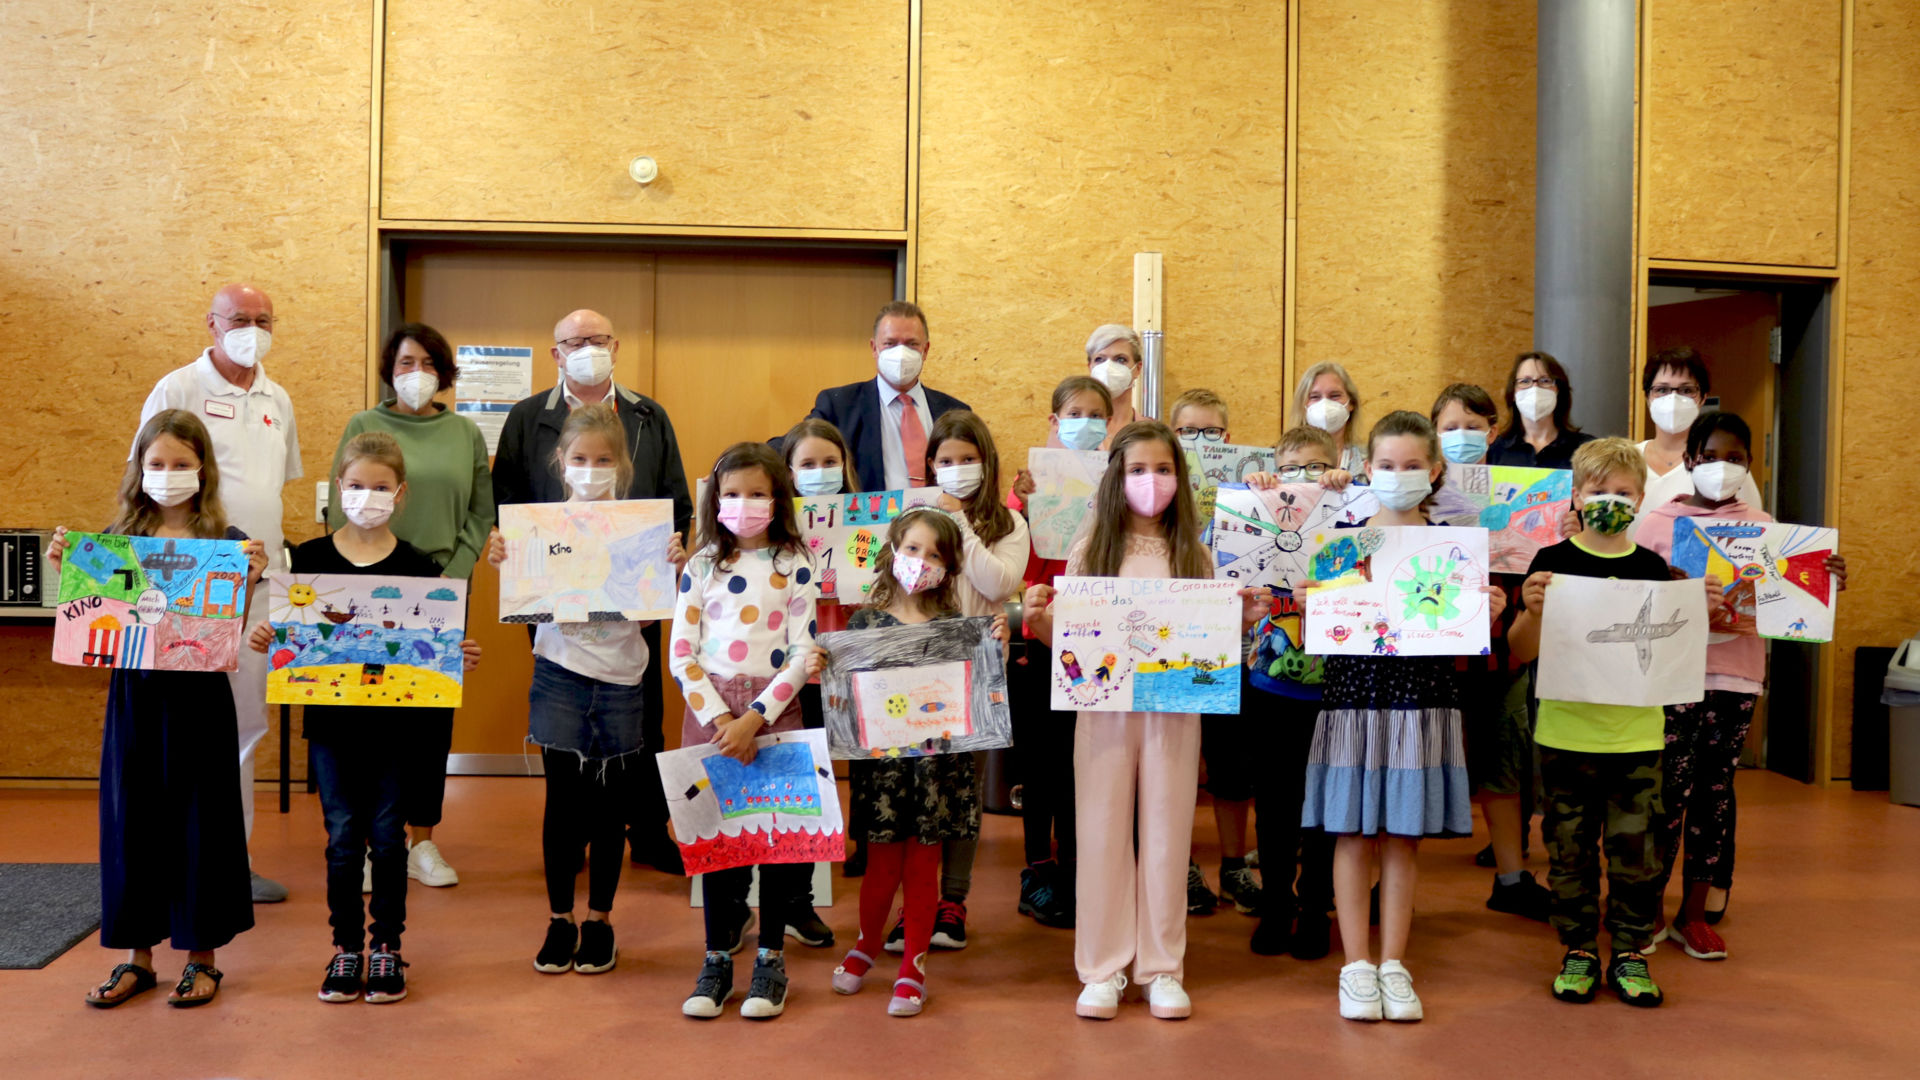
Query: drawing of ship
[[336, 616]]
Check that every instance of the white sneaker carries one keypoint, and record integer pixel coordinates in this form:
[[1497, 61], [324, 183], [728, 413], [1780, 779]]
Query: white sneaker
[[366, 875], [1167, 999], [1360, 991], [425, 866], [1397, 999], [1101, 1000]]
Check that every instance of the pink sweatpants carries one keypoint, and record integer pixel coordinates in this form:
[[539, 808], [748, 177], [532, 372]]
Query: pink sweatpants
[[1133, 908]]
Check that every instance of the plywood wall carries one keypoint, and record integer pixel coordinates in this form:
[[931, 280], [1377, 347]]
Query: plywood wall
[[1415, 200], [1743, 131], [759, 112], [1057, 141], [1878, 489], [157, 151]]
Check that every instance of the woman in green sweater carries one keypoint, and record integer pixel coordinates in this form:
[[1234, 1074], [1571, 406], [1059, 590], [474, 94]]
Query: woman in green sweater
[[447, 515]]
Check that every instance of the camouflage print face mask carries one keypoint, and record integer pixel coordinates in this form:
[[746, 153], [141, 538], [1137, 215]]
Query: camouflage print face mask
[[1608, 515]]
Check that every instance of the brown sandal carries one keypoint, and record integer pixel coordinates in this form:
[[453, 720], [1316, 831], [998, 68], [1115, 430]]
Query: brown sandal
[[143, 981], [179, 999]]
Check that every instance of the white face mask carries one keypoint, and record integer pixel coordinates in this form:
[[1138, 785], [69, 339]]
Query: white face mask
[[1674, 413], [246, 345], [1328, 415], [590, 365], [900, 365], [1718, 480], [169, 487], [960, 481], [416, 388], [1115, 375], [366, 508], [1401, 490], [823, 481], [588, 482], [1535, 402]]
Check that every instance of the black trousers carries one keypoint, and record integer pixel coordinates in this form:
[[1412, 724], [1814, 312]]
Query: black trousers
[[647, 801], [361, 781], [424, 791], [1043, 758], [725, 893], [586, 809], [1284, 738]]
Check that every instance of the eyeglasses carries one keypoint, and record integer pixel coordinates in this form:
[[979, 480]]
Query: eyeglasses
[[600, 340], [264, 322], [1210, 434], [1544, 382], [1290, 474], [1684, 391]]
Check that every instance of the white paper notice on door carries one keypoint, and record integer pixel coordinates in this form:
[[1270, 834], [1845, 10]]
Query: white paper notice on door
[[492, 378]]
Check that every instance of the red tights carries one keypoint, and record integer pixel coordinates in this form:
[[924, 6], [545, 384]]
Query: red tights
[[889, 866]]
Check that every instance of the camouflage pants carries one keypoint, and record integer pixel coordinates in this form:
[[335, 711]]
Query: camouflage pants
[[1602, 803]]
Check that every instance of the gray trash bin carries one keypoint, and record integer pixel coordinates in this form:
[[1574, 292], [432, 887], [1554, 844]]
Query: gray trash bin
[[1901, 694]]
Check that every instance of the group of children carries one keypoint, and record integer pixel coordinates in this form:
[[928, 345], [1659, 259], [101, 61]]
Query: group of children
[[1368, 754]]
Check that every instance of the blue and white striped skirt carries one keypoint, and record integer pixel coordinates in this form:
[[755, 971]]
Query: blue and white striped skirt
[[1399, 771]]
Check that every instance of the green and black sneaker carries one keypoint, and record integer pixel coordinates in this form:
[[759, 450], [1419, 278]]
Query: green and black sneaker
[[1632, 982], [1579, 977]]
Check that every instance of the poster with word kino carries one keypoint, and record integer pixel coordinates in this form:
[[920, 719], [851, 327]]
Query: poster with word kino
[[1146, 645]]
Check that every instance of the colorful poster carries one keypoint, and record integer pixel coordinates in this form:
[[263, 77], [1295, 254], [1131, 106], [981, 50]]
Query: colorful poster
[[844, 533], [577, 562], [1063, 485], [1260, 537], [362, 639], [147, 602], [1211, 465], [937, 687], [1613, 642], [492, 378], [1400, 591], [1519, 507], [1774, 575], [780, 808], [1146, 645]]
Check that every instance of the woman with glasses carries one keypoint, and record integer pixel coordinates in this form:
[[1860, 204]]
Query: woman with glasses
[[1676, 384], [1539, 432]]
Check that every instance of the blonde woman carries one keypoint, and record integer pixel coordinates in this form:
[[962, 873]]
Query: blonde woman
[[1327, 399]]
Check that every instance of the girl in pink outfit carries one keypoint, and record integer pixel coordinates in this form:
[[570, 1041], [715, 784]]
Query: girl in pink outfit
[[1704, 738], [1131, 901]]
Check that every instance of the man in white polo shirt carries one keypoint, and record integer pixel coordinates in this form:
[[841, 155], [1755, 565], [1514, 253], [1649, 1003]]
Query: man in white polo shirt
[[250, 418]]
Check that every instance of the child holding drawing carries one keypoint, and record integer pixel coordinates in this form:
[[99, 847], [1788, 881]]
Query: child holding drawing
[[1703, 739], [920, 804], [584, 712], [742, 647], [356, 765], [1387, 766], [173, 849], [1136, 772]]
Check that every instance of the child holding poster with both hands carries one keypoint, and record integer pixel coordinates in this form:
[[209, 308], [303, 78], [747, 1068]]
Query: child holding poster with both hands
[[1135, 772]]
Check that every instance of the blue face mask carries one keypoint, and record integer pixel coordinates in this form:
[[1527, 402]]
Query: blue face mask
[[819, 481], [1463, 446], [1082, 432]]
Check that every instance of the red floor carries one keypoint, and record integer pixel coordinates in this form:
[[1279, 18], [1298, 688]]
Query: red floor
[[1824, 928]]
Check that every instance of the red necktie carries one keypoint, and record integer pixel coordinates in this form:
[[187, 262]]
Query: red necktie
[[913, 442]]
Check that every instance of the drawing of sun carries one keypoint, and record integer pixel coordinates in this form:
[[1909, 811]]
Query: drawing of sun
[[1165, 632], [299, 606]]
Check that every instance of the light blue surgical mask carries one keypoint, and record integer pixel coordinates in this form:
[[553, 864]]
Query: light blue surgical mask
[[1082, 432], [1463, 446], [827, 481]]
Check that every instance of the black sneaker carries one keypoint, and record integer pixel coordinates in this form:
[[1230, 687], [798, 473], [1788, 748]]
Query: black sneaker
[[1241, 889], [1632, 982], [732, 944], [556, 956], [1312, 935], [767, 993], [1274, 934], [712, 989], [386, 976], [1041, 897], [809, 930], [1484, 857], [1579, 977], [343, 978], [1526, 898], [949, 926], [596, 953], [896, 942], [1200, 898]]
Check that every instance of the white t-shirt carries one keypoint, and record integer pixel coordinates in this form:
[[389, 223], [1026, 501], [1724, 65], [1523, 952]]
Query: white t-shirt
[[254, 443], [1677, 482], [612, 652]]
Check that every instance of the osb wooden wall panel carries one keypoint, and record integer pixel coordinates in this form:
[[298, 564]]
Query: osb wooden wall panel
[[759, 112], [1743, 131], [1415, 200], [1882, 395], [160, 151], [1056, 143]]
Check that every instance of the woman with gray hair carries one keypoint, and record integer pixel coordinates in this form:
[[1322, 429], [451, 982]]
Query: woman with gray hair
[[1113, 357]]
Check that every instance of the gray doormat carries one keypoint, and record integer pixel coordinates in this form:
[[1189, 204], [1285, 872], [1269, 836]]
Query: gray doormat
[[45, 909]]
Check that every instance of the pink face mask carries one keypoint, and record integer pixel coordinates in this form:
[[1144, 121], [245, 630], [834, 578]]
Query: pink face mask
[[746, 518], [917, 575], [1149, 493]]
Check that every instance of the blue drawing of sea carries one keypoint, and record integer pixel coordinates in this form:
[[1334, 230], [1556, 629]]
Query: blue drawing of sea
[[1176, 691], [353, 643], [779, 779]]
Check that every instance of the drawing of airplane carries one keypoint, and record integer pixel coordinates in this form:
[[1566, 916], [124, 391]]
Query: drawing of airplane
[[1642, 632]]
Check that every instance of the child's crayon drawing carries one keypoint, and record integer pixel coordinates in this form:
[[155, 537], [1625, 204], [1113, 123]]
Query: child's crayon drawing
[[592, 561], [937, 687], [147, 602], [358, 639], [781, 807], [1774, 575], [1412, 591], [1146, 645], [1063, 485]]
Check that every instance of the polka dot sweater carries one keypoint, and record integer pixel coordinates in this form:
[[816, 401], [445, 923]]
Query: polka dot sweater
[[753, 618]]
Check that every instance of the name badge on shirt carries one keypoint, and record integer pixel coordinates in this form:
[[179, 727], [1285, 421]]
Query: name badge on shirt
[[220, 409]]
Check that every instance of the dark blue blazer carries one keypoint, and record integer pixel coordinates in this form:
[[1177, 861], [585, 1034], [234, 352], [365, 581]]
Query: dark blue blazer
[[855, 410]]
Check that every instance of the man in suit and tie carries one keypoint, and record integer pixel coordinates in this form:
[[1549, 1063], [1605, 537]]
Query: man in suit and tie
[[885, 420]]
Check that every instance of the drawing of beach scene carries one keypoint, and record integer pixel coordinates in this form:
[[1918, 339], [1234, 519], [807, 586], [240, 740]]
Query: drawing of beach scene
[[351, 639]]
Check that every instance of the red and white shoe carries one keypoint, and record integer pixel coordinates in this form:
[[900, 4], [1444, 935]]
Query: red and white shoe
[[1698, 940]]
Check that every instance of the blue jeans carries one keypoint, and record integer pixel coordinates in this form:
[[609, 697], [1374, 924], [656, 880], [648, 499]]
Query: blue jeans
[[360, 778]]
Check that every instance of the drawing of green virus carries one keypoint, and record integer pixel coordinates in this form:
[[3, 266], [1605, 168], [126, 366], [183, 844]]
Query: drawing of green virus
[[1428, 591]]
